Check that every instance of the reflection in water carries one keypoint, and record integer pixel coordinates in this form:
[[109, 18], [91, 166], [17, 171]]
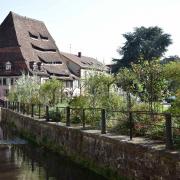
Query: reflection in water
[[26, 162]]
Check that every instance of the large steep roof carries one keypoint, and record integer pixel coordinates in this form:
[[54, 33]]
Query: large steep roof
[[35, 43]]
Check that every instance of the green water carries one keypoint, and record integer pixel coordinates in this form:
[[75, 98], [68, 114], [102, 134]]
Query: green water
[[20, 160]]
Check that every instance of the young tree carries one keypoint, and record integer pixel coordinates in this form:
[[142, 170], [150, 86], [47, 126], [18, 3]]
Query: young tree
[[172, 74], [51, 91], [152, 84], [146, 81], [26, 89], [142, 44], [127, 80], [100, 90]]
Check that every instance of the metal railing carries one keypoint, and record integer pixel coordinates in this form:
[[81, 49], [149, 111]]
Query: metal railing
[[82, 116]]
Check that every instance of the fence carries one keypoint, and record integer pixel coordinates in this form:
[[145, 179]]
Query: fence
[[131, 123]]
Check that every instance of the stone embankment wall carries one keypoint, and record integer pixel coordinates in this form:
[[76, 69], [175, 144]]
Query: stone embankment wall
[[112, 156]]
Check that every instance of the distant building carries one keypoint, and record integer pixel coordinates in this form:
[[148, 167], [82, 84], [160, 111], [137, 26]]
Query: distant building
[[82, 67], [27, 46]]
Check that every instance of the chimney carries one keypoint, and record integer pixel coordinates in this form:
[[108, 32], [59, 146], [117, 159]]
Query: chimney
[[79, 54]]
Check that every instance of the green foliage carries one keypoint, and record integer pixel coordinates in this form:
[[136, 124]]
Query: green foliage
[[175, 107], [26, 89], [146, 81], [172, 74], [101, 92], [152, 85], [80, 101], [126, 79], [144, 43], [51, 91], [55, 114]]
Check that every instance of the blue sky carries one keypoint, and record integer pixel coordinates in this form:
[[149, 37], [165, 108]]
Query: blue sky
[[95, 27]]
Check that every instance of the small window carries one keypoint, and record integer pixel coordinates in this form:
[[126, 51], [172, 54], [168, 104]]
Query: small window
[[43, 37], [12, 81], [33, 35], [0, 81], [85, 74], [6, 92], [83, 62], [35, 66], [69, 84], [8, 66], [4, 81]]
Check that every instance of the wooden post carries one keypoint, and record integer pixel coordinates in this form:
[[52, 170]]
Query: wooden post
[[169, 135], [103, 121], [68, 121]]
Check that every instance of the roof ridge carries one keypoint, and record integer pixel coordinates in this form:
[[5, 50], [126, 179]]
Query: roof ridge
[[77, 55], [24, 17]]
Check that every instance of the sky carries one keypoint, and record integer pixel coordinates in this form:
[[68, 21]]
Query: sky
[[95, 27]]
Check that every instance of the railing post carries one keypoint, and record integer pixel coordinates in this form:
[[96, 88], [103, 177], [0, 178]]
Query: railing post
[[12, 105], [18, 107], [169, 135], [130, 126], [57, 115], [103, 121], [27, 105], [15, 106], [32, 110], [47, 113], [68, 122], [39, 111], [23, 108], [83, 118]]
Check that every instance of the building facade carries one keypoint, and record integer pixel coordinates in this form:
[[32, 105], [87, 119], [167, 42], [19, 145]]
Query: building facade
[[82, 67], [26, 46]]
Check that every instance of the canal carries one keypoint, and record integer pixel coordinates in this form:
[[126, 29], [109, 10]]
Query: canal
[[21, 160]]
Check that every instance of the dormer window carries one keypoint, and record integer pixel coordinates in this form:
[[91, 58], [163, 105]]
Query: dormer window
[[35, 66], [8, 66]]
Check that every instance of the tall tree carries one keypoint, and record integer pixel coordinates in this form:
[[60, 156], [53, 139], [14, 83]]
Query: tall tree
[[144, 43]]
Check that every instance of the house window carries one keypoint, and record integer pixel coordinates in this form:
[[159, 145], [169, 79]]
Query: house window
[[69, 84], [85, 74], [4, 81], [12, 81], [8, 66], [6, 92], [35, 66], [0, 81]]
